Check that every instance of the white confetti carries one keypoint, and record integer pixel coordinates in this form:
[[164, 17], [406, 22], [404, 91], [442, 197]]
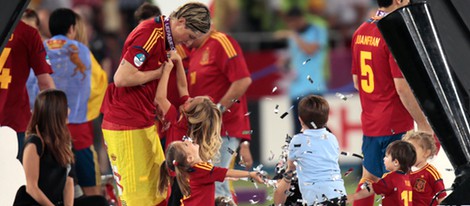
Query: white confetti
[[309, 78], [253, 202], [274, 89], [248, 114], [313, 125], [276, 109], [271, 157], [306, 61], [308, 141], [343, 97]]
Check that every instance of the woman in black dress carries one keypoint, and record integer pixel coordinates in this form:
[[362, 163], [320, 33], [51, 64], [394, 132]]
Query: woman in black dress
[[47, 154]]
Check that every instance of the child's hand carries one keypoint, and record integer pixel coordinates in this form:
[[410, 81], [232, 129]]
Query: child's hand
[[257, 177], [174, 56], [167, 66]]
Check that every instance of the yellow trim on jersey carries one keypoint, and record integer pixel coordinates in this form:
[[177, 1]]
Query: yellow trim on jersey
[[181, 51], [434, 172], [150, 39], [204, 166], [226, 44], [158, 35]]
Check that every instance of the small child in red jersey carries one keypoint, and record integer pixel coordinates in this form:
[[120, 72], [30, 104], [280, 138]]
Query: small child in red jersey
[[424, 177], [183, 158], [197, 117], [395, 186]]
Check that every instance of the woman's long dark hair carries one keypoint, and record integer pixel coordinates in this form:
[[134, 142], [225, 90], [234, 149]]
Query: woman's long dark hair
[[49, 121]]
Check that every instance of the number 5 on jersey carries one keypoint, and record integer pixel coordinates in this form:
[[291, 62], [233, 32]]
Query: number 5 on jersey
[[5, 77], [367, 84]]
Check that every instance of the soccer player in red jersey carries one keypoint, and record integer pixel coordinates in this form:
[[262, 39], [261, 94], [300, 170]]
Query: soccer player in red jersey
[[129, 107], [183, 158], [388, 105], [424, 177], [218, 69], [395, 187], [23, 51]]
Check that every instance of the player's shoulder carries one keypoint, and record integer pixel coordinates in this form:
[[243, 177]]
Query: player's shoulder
[[204, 166], [433, 171], [226, 42]]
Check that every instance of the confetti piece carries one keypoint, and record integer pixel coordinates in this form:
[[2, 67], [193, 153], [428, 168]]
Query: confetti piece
[[274, 89], [276, 109], [306, 61], [308, 183], [393, 131], [186, 138], [267, 98], [271, 157], [288, 138], [231, 151], [291, 107], [352, 154], [347, 173], [253, 202], [449, 169], [343, 97], [309, 78], [247, 114], [313, 125], [324, 197], [323, 136], [247, 132], [269, 198], [365, 186], [236, 100], [284, 115], [308, 141]]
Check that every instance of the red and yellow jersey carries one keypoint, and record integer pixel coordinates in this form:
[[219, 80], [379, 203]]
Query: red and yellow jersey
[[23, 51], [145, 48], [212, 68], [383, 114], [201, 182], [396, 189], [426, 183]]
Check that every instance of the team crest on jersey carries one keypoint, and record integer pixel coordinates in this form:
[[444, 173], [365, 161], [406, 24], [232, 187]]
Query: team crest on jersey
[[205, 57], [420, 185], [139, 59]]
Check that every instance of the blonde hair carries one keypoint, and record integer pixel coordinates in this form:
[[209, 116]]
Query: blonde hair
[[425, 141], [176, 161], [80, 26], [205, 121], [197, 16]]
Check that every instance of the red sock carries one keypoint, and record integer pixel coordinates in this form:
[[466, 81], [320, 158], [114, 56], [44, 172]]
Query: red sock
[[368, 201]]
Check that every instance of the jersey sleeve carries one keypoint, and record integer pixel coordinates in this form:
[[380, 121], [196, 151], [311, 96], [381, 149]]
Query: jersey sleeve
[[234, 66], [383, 186], [212, 174], [37, 54], [138, 51]]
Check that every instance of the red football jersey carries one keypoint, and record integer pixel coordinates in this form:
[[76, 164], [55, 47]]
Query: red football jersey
[[396, 189], [174, 127], [212, 69], [426, 183], [201, 182], [383, 114], [23, 51], [145, 48]]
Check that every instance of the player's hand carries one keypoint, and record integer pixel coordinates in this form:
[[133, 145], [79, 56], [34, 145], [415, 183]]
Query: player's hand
[[245, 155], [174, 56]]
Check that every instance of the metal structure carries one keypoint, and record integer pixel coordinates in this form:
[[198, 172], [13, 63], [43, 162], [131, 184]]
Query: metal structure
[[430, 41]]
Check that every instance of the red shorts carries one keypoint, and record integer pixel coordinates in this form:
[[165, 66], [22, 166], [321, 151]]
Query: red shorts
[[82, 135]]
